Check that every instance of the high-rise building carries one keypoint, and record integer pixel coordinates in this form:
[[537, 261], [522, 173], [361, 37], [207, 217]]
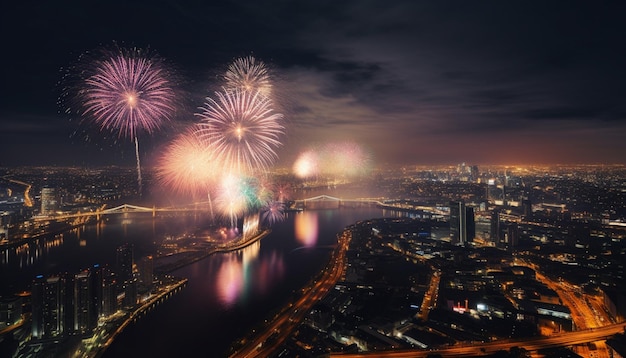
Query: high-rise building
[[85, 317], [48, 316], [124, 262], [495, 227], [462, 225], [131, 290], [146, 271], [49, 201], [511, 236], [109, 294]]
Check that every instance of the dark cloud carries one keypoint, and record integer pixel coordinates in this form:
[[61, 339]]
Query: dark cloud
[[413, 81]]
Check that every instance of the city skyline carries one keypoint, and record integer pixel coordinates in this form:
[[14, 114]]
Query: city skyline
[[411, 83]]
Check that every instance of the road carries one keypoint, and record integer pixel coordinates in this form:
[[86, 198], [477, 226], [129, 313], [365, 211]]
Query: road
[[481, 349]]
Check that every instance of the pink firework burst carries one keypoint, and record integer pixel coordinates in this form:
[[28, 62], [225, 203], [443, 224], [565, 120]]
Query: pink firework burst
[[248, 74], [187, 165], [243, 128], [128, 91], [273, 212]]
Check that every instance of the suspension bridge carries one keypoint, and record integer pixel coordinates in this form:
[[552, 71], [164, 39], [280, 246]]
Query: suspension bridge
[[314, 202], [323, 201]]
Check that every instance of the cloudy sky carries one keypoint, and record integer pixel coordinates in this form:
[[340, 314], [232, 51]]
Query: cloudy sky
[[412, 82]]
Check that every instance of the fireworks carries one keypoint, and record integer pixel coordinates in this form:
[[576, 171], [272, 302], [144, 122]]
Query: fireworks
[[248, 74], [273, 212], [126, 92], [187, 165], [243, 128], [236, 196], [336, 159], [307, 164]]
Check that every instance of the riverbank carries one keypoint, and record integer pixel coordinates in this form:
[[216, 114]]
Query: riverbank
[[188, 255]]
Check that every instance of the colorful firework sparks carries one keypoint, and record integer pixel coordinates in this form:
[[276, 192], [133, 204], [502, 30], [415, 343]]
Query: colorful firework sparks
[[345, 159], [187, 165], [248, 74], [273, 212], [307, 164], [283, 191], [236, 196], [127, 92], [336, 159], [243, 128]]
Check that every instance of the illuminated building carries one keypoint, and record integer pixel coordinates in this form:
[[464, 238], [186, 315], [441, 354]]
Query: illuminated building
[[109, 294], [462, 226], [85, 317], [124, 262], [48, 315], [49, 201], [145, 267]]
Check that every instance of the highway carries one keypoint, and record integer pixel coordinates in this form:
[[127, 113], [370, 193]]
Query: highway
[[481, 349]]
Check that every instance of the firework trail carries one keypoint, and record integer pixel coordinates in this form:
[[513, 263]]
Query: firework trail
[[243, 129], [248, 74], [128, 92]]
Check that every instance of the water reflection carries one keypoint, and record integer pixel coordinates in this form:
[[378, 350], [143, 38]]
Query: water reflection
[[29, 253], [243, 272], [306, 228]]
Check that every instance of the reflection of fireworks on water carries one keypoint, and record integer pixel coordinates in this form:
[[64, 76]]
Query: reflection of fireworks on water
[[273, 212], [341, 159], [243, 129], [187, 165], [128, 91], [248, 74]]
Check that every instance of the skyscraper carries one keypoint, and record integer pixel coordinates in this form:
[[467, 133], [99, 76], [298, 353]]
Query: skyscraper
[[462, 226], [48, 318], [85, 318], [124, 262], [146, 271], [49, 201]]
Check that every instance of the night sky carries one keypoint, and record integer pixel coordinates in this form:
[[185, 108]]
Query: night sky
[[412, 82]]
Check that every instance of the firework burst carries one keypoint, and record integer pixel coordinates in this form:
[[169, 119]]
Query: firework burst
[[307, 164], [243, 128], [236, 196], [128, 91], [346, 159], [187, 165], [248, 74], [273, 212]]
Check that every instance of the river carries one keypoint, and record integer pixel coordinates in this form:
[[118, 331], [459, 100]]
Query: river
[[227, 294]]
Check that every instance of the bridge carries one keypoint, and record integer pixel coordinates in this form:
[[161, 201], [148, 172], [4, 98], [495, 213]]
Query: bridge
[[123, 209], [320, 201], [385, 204]]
